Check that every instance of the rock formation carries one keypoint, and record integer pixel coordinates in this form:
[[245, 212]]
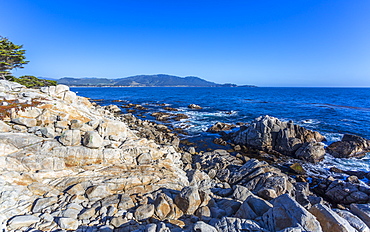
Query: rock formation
[[349, 146], [271, 134], [67, 165]]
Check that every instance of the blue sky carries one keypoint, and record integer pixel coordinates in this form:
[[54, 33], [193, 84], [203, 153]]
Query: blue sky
[[266, 43]]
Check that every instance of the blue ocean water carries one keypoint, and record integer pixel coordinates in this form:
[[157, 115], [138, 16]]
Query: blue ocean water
[[331, 111]]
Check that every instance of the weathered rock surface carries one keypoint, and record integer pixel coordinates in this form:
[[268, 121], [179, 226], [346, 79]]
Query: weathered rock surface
[[329, 220], [286, 213], [362, 211], [92, 139], [231, 224], [18, 222], [269, 133], [188, 200], [342, 192], [353, 220], [349, 146]]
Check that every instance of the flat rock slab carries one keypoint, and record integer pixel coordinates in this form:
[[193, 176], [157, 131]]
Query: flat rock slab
[[362, 211], [22, 221]]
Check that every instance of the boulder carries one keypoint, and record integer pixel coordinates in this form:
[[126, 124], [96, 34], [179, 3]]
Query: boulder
[[97, 192], [67, 223], [69, 97], [349, 146], [18, 222], [162, 206], [112, 108], [269, 133], [42, 203], [286, 212], [231, 224], [201, 226], [253, 207], [125, 202], [362, 211], [230, 207], [188, 200], [194, 107], [28, 122], [241, 193], [342, 192], [144, 212], [329, 220], [107, 128], [61, 89], [219, 126], [353, 220], [92, 139], [311, 151], [144, 158], [76, 124], [8, 86], [47, 132], [70, 138]]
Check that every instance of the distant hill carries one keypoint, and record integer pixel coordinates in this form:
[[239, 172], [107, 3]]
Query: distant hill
[[159, 80], [85, 81], [164, 80]]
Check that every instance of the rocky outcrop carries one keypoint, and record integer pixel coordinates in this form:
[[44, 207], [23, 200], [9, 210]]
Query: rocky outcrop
[[85, 168], [349, 146], [341, 192], [73, 165], [271, 134]]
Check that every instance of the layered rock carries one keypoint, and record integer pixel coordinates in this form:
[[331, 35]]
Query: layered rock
[[271, 134], [73, 161]]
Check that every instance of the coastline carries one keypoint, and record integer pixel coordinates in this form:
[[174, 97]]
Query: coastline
[[67, 164]]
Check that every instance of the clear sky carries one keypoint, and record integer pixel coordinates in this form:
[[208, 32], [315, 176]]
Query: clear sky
[[265, 43]]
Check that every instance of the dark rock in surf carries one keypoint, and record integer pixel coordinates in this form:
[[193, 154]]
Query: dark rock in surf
[[220, 126], [349, 146]]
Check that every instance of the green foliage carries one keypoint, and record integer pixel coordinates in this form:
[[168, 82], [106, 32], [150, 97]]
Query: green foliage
[[31, 81], [11, 56]]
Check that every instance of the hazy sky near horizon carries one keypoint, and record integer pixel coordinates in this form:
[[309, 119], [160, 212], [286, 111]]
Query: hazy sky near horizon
[[265, 43]]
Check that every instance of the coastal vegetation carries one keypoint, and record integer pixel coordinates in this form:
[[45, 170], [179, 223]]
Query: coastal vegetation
[[31, 81], [11, 56]]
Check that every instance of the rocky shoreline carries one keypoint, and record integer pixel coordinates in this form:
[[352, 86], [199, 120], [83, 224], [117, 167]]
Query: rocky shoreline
[[70, 165]]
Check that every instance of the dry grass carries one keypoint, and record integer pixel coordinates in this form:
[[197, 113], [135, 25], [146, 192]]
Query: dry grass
[[13, 105]]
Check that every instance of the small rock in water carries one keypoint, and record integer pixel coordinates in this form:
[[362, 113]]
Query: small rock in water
[[194, 106]]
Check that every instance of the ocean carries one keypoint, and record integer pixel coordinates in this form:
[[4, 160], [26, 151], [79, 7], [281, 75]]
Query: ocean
[[330, 111]]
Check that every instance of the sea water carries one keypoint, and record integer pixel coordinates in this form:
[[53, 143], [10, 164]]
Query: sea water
[[330, 111]]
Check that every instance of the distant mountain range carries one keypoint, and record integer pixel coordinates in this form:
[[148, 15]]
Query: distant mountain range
[[159, 80]]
